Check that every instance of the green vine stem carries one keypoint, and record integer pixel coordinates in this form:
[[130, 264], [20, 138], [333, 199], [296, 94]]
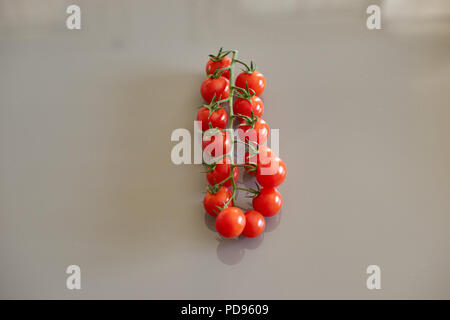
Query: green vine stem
[[249, 190], [232, 88], [230, 124], [230, 153]]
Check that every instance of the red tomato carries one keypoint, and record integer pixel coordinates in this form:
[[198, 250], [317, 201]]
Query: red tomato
[[212, 200], [263, 156], [230, 222], [221, 142], [218, 118], [218, 88], [254, 225], [221, 172], [272, 173], [243, 106], [268, 202], [212, 65], [255, 81], [258, 133]]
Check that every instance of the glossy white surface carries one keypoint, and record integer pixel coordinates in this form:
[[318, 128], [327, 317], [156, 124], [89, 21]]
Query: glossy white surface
[[85, 171]]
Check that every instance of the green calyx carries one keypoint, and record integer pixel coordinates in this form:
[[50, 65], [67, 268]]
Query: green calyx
[[218, 73], [220, 55], [209, 166], [213, 189], [248, 69], [226, 204], [213, 106], [249, 121], [246, 93], [251, 167], [211, 132], [219, 208]]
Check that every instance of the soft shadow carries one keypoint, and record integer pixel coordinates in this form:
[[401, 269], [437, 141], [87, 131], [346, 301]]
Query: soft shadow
[[273, 222], [252, 243], [232, 251], [210, 222]]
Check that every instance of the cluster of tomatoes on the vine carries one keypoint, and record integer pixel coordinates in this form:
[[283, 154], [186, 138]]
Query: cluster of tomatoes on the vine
[[260, 161]]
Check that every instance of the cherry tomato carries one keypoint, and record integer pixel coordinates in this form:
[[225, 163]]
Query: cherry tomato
[[221, 172], [255, 81], [268, 202], [254, 224], [218, 118], [230, 222], [263, 155], [218, 88], [243, 106], [258, 133], [220, 141], [212, 65], [272, 173], [212, 200]]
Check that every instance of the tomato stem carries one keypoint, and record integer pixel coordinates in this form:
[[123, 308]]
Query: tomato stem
[[246, 94], [230, 124], [248, 69], [223, 181], [248, 190], [220, 55], [232, 88]]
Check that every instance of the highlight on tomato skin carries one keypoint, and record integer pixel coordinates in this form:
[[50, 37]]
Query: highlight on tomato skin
[[245, 107], [230, 222], [212, 66], [221, 172], [255, 81], [259, 133], [213, 200], [271, 174], [215, 88], [268, 202], [264, 155], [218, 118], [255, 224], [220, 142]]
